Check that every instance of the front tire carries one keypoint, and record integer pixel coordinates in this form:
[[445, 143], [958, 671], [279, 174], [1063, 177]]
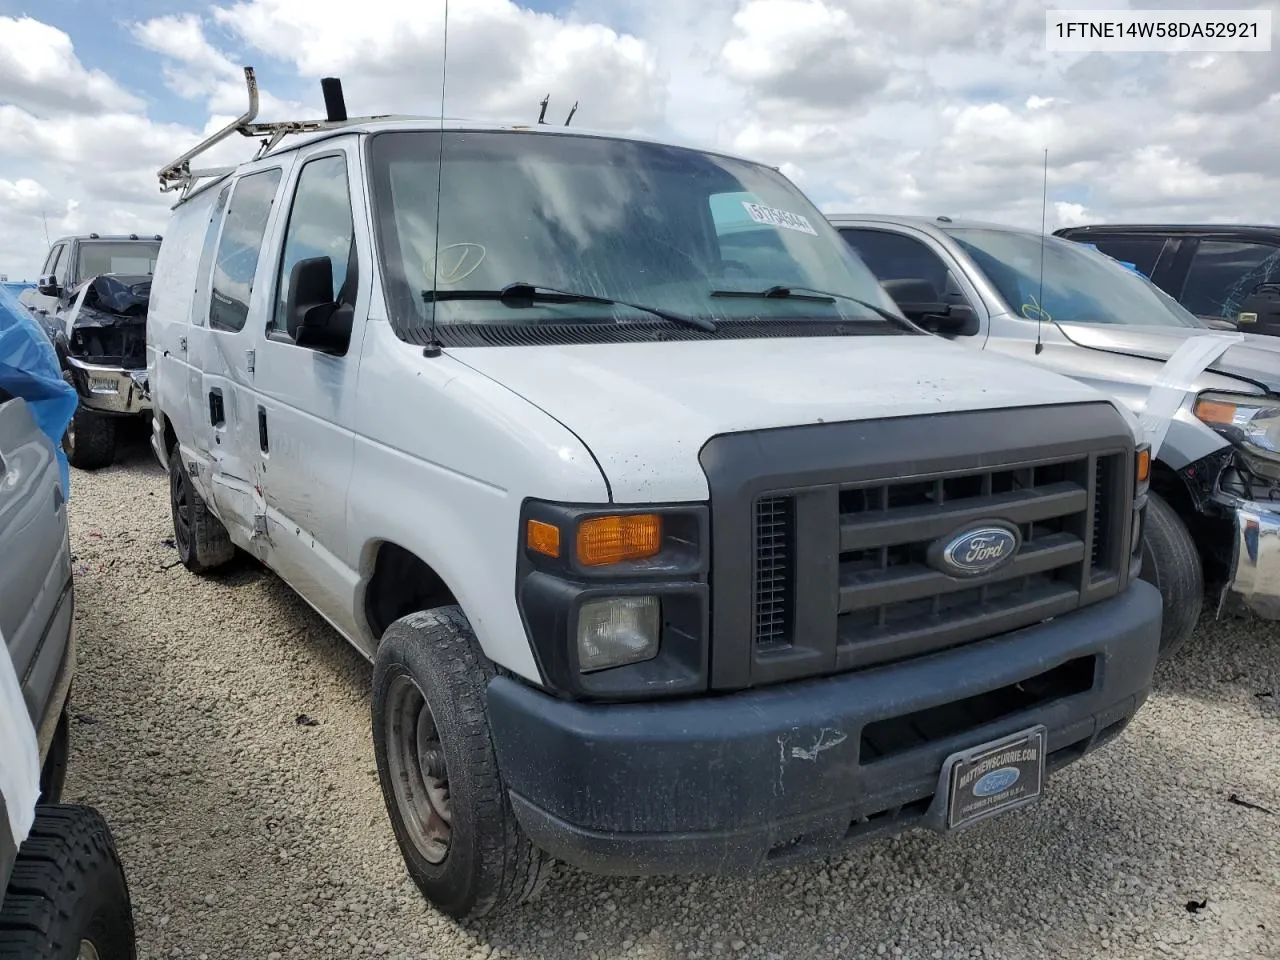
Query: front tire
[[90, 438], [439, 774], [68, 898], [1171, 563], [201, 540]]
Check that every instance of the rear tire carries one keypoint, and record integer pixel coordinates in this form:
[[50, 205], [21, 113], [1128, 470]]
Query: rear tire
[[68, 897], [90, 439], [202, 542], [439, 774], [1171, 563]]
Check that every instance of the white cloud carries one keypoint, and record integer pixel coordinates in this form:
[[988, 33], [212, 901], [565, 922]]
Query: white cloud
[[39, 70]]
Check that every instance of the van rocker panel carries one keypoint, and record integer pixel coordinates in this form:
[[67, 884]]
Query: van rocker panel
[[775, 774]]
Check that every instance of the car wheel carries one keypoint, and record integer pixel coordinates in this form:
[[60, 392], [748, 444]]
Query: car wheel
[[201, 540], [1171, 563], [90, 439], [439, 774], [68, 898]]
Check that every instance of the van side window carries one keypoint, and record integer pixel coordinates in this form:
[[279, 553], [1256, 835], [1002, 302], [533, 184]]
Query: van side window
[[320, 225], [207, 252], [1224, 272], [239, 249]]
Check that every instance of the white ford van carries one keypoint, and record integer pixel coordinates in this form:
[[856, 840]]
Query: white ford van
[[672, 552]]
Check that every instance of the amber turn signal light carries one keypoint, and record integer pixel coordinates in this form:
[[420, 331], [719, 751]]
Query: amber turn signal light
[[1215, 411], [606, 540], [1144, 465], [543, 538]]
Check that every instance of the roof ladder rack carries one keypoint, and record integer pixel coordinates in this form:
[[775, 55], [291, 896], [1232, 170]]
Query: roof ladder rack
[[179, 175]]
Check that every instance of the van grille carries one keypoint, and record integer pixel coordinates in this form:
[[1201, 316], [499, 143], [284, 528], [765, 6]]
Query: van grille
[[891, 604]]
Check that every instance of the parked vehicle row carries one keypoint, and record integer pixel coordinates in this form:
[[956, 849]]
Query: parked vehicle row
[[1056, 304], [674, 545]]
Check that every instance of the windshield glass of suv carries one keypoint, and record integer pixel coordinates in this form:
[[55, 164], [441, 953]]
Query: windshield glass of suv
[[657, 225], [1080, 285], [127, 257]]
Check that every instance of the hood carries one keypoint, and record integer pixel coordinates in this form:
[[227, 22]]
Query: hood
[[1257, 358], [113, 295], [646, 409]]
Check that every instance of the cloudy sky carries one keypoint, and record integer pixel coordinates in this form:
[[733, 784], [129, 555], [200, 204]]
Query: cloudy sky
[[894, 106]]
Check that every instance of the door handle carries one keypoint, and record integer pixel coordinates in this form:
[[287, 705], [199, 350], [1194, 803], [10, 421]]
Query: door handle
[[262, 429], [217, 413]]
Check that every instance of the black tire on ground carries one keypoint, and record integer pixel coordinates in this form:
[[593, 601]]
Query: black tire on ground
[[54, 772], [200, 538], [1171, 563], [67, 889], [457, 832], [90, 439]]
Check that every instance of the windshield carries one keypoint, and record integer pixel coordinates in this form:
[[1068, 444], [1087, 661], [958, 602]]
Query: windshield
[[135, 257], [1080, 285], [656, 225]]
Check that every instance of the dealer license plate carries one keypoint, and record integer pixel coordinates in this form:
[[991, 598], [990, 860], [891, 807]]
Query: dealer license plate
[[995, 777]]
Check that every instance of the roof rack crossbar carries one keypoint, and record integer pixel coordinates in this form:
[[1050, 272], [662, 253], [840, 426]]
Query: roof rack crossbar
[[178, 174]]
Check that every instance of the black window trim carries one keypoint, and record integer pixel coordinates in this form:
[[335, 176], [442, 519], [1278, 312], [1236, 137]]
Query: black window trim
[[282, 336], [235, 185]]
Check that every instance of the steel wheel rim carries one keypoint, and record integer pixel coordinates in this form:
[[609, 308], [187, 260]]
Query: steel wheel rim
[[419, 774], [181, 509], [87, 951]]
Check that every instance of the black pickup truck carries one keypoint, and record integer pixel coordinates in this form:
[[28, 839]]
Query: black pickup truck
[[1219, 272], [91, 299]]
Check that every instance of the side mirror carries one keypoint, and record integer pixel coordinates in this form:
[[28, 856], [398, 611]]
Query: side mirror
[[1261, 309], [919, 302], [48, 286], [312, 317]]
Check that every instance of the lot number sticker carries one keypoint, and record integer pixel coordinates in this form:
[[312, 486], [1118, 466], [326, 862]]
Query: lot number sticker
[[774, 217]]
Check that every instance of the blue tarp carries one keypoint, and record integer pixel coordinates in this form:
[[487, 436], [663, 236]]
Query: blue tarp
[[29, 369]]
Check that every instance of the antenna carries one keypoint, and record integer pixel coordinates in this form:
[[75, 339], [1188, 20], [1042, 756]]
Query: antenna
[[45, 221], [432, 349], [542, 114], [571, 113], [1044, 207]]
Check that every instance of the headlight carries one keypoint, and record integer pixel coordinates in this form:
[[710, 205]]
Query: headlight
[[1251, 423], [615, 631]]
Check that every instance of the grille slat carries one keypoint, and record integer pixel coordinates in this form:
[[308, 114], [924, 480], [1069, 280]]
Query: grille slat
[[917, 582]]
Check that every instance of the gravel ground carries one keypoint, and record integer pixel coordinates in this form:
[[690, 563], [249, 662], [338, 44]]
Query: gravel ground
[[223, 729]]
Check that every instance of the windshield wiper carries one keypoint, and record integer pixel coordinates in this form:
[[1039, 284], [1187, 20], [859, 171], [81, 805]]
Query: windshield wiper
[[788, 292], [521, 294]]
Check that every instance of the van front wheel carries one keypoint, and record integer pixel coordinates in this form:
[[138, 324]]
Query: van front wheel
[[439, 774]]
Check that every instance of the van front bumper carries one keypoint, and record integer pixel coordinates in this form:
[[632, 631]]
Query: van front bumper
[[786, 773], [110, 389], [1254, 580]]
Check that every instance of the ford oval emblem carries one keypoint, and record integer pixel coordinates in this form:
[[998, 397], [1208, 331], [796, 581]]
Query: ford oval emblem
[[997, 781], [976, 551]]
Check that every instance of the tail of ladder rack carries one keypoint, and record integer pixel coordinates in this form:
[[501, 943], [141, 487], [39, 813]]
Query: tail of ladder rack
[[178, 174]]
